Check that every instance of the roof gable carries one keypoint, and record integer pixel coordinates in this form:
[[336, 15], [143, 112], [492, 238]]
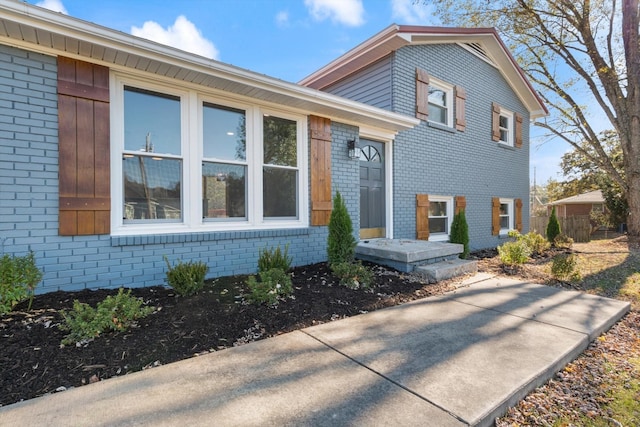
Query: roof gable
[[482, 42]]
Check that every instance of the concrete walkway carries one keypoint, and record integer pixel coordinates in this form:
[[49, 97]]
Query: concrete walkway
[[459, 359]]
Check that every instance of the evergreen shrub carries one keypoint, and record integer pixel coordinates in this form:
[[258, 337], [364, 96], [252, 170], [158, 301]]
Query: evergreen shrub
[[460, 232], [340, 243]]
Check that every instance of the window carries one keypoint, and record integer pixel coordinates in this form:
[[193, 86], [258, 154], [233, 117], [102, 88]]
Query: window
[[224, 164], [505, 123], [440, 102], [191, 161], [440, 217], [151, 161], [502, 127], [506, 215], [597, 208]]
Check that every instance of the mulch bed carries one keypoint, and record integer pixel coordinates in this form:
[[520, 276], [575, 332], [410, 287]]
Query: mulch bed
[[34, 363]]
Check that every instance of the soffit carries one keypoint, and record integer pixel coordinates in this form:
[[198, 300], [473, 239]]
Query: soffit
[[38, 29]]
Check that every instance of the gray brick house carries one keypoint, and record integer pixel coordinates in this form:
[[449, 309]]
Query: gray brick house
[[471, 148], [116, 151]]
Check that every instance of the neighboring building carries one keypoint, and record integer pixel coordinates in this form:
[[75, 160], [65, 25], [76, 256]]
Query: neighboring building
[[116, 151], [580, 205], [471, 148]]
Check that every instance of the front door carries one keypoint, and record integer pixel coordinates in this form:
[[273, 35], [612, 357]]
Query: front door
[[372, 200]]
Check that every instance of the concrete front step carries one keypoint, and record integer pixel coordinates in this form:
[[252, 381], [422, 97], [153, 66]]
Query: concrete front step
[[405, 255], [444, 270]]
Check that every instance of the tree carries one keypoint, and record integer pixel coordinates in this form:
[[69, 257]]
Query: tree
[[553, 227], [460, 232], [340, 241], [584, 58]]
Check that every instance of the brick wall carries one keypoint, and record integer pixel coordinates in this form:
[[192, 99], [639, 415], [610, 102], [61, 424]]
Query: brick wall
[[29, 201], [434, 161]]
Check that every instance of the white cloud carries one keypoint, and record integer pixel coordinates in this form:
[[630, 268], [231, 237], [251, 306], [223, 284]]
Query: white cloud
[[183, 34], [348, 12], [282, 18], [411, 12], [54, 5]]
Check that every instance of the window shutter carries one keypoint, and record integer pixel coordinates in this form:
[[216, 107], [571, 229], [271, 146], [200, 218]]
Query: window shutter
[[495, 216], [518, 204], [422, 216], [518, 142], [422, 94], [321, 204], [495, 122], [461, 121], [83, 134], [460, 204]]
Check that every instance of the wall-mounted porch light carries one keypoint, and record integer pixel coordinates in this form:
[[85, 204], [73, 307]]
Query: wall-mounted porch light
[[352, 150]]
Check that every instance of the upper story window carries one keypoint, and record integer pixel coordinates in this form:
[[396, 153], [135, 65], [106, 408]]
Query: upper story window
[[190, 161], [440, 217], [440, 102], [505, 124]]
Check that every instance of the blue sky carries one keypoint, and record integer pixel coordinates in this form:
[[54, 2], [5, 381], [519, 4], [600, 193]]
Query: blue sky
[[286, 39]]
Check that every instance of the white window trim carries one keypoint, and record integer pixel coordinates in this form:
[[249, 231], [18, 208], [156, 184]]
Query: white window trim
[[191, 153], [443, 237], [510, 202], [510, 129], [448, 90]]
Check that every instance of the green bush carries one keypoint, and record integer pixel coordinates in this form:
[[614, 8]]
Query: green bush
[[536, 242], [460, 232], [274, 258], [353, 275], [114, 313], [19, 277], [273, 285], [512, 253], [186, 278], [340, 243], [563, 241], [565, 267], [553, 226]]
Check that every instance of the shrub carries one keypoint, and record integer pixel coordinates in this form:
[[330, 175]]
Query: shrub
[[19, 277], [114, 313], [352, 275], [460, 232], [563, 241], [565, 267], [340, 242], [536, 242], [274, 258], [272, 286], [186, 278], [553, 226], [512, 253]]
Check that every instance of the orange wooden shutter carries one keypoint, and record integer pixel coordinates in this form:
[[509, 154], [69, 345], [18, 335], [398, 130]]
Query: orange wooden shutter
[[422, 94], [422, 216], [321, 204], [495, 122], [461, 204], [518, 142], [461, 121], [518, 203], [495, 216], [83, 133]]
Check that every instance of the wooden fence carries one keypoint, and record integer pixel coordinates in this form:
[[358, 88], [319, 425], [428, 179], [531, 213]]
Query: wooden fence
[[577, 227]]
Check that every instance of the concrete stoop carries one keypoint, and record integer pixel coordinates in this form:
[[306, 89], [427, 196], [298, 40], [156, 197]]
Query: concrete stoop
[[444, 270], [434, 261]]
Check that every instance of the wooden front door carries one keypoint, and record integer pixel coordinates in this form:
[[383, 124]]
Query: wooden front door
[[372, 191]]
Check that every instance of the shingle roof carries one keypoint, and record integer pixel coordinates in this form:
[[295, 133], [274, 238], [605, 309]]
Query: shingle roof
[[590, 197]]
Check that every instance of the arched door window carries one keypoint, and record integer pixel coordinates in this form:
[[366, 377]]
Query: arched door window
[[369, 153]]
